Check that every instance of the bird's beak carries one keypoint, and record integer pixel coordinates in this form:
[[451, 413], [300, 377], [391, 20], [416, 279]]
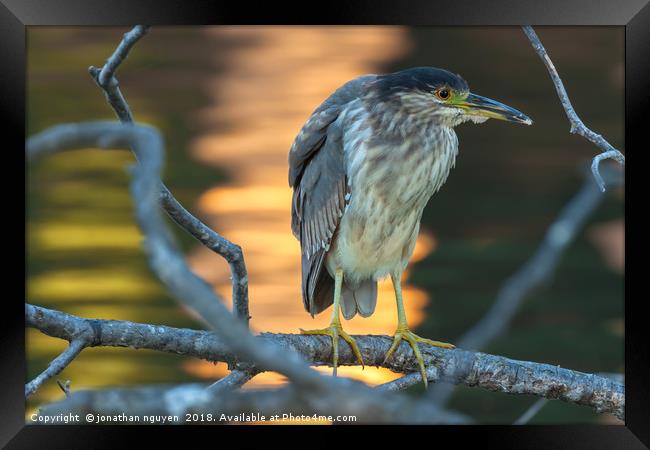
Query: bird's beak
[[475, 105]]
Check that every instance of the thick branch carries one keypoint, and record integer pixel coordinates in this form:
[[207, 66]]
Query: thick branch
[[231, 252], [196, 399], [577, 126], [457, 366]]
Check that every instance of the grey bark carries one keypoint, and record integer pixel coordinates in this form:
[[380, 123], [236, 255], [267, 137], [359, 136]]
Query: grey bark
[[232, 253], [577, 126], [491, 372], [232, 343]]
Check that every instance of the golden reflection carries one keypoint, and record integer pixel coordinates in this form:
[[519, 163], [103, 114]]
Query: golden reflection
[[91, 284], [205, 369], [267, 90], [70, 236], [370, 375]]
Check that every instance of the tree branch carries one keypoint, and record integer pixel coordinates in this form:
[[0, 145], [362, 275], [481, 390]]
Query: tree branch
[[308, 392], [235, 379], [494, 373], [577, 126], [534, 272], [56, 366], [165, 260], [196, 399], [105, 78], [231, 252], [413, 378], [541, 265], [170, 267]]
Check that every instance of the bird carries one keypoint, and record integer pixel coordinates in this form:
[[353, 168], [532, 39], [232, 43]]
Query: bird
[[362, 168]]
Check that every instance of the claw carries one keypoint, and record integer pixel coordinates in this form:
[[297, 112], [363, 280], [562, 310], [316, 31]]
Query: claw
[[413, 340], [396, 340], [335, 330]]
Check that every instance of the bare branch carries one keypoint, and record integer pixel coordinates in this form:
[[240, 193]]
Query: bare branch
[[368, 407], [409, 380], [106, 80], [457, 366], [56, 366], [64, 386], [112, 63], [536, 270], [529, 277], [287, 354], [618, 377], [231, 252], [577, 126], [595, 164], [170, 267], [165, 260], [235, 379], [531, 412]]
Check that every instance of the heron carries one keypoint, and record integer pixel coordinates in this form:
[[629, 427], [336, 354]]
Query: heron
[[362, 169]]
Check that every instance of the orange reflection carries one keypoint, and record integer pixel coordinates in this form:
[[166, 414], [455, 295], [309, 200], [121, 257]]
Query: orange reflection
[[204, 369], [268, 89]]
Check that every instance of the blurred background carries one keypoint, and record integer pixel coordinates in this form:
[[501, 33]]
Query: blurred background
[[230, 100]]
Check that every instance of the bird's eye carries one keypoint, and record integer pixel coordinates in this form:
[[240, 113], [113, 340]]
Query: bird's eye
[[443, 93]]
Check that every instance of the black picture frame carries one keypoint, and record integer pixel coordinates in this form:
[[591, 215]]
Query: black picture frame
[[634, 15]]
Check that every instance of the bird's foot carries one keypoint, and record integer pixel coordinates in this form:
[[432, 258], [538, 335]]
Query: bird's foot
[[413, 339], [335, 330]]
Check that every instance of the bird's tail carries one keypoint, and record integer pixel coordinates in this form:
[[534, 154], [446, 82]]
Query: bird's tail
[[361, 298]]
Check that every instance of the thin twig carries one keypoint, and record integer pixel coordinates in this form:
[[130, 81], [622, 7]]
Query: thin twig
[[408, 380], [534, 273], [56, 366], [64, 386], [105, 77], [231, 252], [120, 54], [577, 126], [531, 412], [235, 379]]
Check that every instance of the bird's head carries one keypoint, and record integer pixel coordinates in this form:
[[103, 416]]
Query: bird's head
[[437, 96]]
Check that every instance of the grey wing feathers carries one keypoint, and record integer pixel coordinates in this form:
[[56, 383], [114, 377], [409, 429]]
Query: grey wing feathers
[[317, 175], [318, 206], [314, 131]]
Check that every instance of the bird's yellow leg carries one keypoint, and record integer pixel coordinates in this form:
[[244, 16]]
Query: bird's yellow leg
[[335, 330], [403, 331]]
